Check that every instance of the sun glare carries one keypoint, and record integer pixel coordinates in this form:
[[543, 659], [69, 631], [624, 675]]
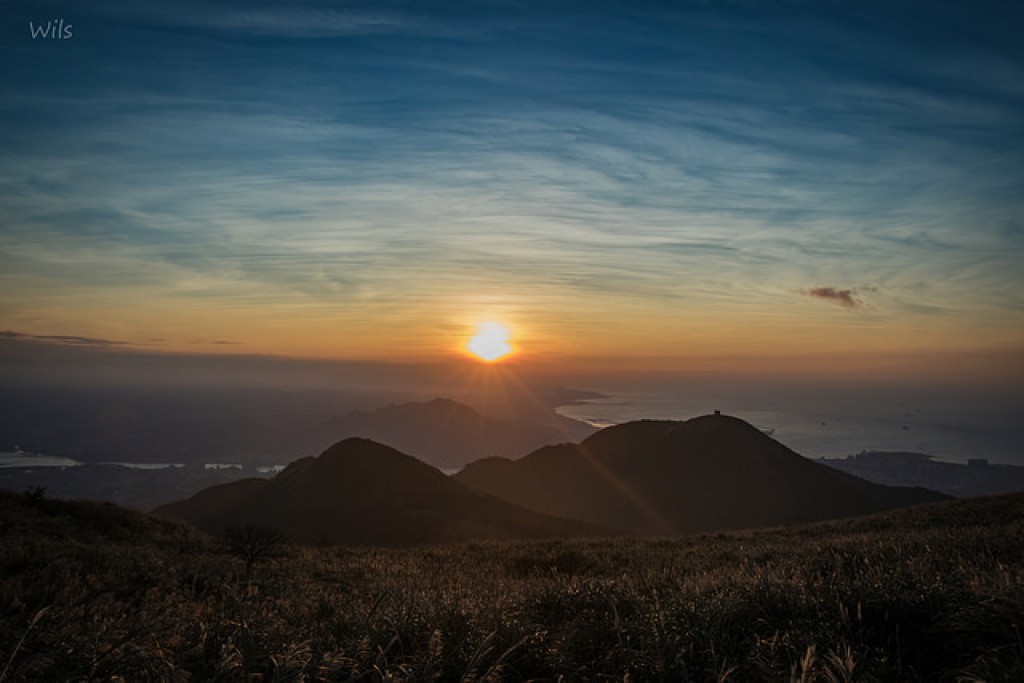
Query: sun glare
[[490, 343]]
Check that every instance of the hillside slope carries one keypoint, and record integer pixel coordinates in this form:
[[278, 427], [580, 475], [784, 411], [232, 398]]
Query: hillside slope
[[930, 593]]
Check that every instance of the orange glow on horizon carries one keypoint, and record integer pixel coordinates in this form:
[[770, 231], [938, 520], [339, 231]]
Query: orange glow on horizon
[[556, 341]]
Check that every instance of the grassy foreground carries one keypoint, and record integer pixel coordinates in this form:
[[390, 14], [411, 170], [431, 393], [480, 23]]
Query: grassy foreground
[[93, 592]]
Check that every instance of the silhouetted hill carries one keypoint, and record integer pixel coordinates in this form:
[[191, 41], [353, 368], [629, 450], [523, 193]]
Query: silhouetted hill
[[446, 433], [362, 492], [978, 477], [26, 518], [666, 477]]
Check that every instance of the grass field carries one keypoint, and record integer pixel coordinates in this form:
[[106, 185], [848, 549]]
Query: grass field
[[93, 592]]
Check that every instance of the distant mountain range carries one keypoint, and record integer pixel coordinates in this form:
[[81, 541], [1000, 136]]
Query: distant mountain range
[[258, 426], [978, 477], [667, 477], [447, 434], [643, 478], [362, 492]]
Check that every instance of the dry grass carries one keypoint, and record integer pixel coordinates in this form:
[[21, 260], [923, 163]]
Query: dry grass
[[89, 592]]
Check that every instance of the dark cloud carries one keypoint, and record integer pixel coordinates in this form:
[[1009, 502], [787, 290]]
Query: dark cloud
[[844, 297], [9, 335]]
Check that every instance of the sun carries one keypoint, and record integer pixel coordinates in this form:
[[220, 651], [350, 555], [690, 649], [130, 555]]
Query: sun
[[490, 343]]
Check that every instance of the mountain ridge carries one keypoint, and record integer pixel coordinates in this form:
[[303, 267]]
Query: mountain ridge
[[446, 433]]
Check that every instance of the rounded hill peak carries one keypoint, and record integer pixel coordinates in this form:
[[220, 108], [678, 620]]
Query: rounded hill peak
[[445, 401], [719, 422], [628, 433], [354, 443], [363, 452], [716, 435]]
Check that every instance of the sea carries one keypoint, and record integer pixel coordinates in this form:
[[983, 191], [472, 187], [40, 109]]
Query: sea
[[819, 420]]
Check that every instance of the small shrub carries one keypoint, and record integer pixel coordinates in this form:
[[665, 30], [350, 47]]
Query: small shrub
[[253, 543]]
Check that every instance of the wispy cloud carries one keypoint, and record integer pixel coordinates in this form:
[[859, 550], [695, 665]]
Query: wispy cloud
[[71, 340]]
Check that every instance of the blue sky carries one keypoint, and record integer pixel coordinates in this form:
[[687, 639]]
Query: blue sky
[[636, 179]]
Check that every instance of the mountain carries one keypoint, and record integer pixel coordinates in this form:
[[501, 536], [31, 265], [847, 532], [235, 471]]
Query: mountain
[[362, 492], [445, 433], [668, 477], [978, 477]]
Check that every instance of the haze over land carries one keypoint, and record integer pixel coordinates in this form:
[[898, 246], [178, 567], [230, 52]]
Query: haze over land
[[102, 405]]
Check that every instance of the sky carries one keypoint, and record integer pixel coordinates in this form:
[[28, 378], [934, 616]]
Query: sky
[[808, 186]]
